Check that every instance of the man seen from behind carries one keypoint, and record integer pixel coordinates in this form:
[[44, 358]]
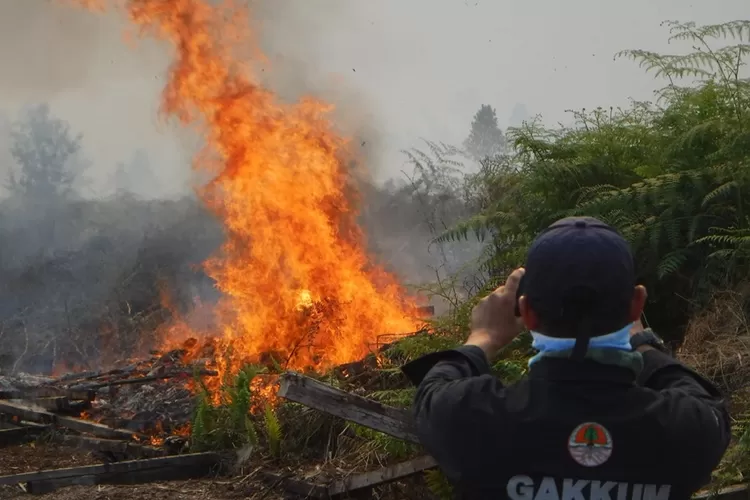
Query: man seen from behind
[[605, 412]]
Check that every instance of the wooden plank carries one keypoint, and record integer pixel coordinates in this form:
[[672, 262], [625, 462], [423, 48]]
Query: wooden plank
[[19, 435], [61, 404], [54, 403], [137, 477], [305, 489], [7, 425], [119, 471], [736, 492], [314, 394], [76, 424], [49, 392], [124, 449], [146, 379], [26, 413], [97, 429], [382, 476]]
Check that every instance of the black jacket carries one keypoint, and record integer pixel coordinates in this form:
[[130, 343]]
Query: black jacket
[[570, 430]]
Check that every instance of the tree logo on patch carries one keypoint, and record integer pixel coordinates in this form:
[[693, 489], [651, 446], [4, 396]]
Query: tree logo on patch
[[590, 444]]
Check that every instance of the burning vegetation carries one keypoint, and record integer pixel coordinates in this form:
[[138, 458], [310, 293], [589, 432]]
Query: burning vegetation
[[297, 284], [297, 291], [297, 288]]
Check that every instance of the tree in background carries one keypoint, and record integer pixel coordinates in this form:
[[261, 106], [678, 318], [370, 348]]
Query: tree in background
[[485, 140], [673, 176], [136, 177], [46, 154], [519, 115]]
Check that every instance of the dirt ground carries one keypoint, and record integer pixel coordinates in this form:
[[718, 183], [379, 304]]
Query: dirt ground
[[33, 457]]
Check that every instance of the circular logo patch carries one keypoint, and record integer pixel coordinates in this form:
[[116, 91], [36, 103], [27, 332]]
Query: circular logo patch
[[590, 444]]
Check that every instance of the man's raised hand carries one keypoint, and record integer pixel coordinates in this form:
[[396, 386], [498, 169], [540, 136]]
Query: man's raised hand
[[493, 321]]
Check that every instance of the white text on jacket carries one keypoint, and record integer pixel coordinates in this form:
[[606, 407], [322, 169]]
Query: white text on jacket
[[525, 488]]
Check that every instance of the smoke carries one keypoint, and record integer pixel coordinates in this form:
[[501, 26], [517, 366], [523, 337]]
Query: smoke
[[289, 33], [107, 88], [83, 277], [400, 223], [45, 49]]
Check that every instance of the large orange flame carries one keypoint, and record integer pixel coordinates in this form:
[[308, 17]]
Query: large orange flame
[[295, 277]]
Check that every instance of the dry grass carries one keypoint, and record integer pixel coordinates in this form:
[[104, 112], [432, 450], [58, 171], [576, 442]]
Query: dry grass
[[717, 343]]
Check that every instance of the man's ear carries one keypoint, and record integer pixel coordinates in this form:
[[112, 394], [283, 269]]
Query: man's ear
[[528, 315], [638, 302]]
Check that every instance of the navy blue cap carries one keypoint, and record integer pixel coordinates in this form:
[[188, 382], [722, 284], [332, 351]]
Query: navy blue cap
[[579, 266]]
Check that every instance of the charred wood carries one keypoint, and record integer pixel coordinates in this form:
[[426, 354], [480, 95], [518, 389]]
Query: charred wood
[[314, 394], [380, 477], [44, 417], [49, 392], [114, 450], [148, 378], [17, 435], [128, 472]]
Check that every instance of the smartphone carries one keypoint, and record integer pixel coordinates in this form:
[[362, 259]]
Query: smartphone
[[519, 292]]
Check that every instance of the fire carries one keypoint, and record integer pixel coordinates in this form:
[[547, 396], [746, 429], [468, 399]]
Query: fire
[[304, 300], [294, 272]]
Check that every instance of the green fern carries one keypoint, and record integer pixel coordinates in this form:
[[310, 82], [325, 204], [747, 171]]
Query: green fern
[[228, 423], [438, 484], [399, 398], [273, 430], [200, 425], [392, 447], [671, 262], [421, 344]]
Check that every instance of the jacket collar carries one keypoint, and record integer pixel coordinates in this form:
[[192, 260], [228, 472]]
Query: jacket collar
[[600, 364]]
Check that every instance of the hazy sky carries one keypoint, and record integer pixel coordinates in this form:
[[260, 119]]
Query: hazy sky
[[399, 70]]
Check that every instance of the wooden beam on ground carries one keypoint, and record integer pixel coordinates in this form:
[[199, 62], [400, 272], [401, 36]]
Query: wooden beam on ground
[[146, 379], [354, 485], [53, 404], [49, 392], [59, 404], [305, 489], [18, 435], [27, 413], [97, 429], [368, 480], [44, 417], [365, 412], [128, 472]]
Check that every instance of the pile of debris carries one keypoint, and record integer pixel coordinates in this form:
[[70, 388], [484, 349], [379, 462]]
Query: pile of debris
[[126, 437], [136, 420], [117, 414]]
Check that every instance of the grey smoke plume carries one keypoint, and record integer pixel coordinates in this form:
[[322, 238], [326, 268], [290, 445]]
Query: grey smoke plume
[[81, 275]]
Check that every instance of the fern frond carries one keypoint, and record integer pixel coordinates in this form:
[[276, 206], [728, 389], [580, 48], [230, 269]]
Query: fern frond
[[273, 431], [719, 193], [438, 484], [479, 225], [671, 262]]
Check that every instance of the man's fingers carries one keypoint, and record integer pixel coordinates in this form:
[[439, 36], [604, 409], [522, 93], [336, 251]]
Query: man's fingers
[[511, 285]]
